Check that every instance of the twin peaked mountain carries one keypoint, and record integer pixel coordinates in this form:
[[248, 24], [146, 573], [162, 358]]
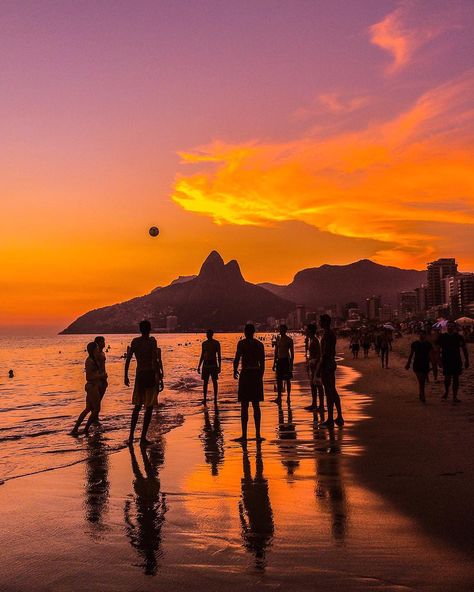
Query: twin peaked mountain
[[220, 298]]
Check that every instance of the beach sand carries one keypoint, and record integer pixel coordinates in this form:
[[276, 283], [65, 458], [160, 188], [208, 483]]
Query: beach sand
[[366, 507]]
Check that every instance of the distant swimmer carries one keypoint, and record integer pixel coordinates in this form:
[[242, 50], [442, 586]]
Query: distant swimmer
[[283, 362], [251, 355], [327, 372], [101, 359], [210, 364], [314, 359], [94, 377], [11, 374], [420, 353], [451, 344], [148, 378]]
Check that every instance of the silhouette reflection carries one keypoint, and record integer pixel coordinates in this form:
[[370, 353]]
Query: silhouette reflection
[[287, 441], [96, 490], [144, 512], [213, 440], [330, 491], [255, 511]]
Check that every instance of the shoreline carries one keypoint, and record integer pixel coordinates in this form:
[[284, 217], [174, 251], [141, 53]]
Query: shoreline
[[418, 457]]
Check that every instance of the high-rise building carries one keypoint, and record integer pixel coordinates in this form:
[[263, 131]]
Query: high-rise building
[[459, 290], [421, 298], [437, 272], [385, 313], [407, 304], [300, 316], [373, 304]]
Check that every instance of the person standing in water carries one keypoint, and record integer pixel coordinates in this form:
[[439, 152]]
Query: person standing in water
[[148, 379], [283, 362], [101, 359], [251, 354], [420, 353], [314, 359], [211, 362], [451, 344], [327, 373], [94, 377]]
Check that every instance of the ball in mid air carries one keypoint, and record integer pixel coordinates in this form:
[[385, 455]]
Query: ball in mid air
[[154, 231]]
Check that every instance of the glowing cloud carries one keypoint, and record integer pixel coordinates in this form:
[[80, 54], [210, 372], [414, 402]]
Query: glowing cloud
[[411, 25], [406, 181]]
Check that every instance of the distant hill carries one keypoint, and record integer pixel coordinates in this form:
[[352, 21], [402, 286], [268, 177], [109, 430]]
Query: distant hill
[[340, 284], [218, 297]]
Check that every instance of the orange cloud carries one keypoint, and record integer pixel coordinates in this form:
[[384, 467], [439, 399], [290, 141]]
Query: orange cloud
[[402, 32], [387, 181]]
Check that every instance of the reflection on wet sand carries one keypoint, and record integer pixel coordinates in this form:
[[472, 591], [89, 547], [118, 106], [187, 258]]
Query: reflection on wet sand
[[330, 491], [256, 515], [144, 512], [96, 490], [287, 441], [212, 438]]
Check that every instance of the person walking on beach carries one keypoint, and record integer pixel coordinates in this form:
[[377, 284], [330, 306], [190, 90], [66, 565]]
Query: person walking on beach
[[355, 346], [314, 359], [251, 354], [148, 379], [420, 353], [94, 377], [101, 360], [384, 347], [210, 362], [434, 355], [327, 373], [366, 344], [451, 344], [283, 362]]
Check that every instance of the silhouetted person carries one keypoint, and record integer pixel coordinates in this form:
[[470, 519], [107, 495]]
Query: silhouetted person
[[283, 362], [252, 354], [366, 344], [210, 361], [420, 353], [93, 379], [327, 372], [314, 359], [97, 486], [384, 345], [451, 345], [256, 516], [434, 356], [144, 512], [355, 346], [213, 441], [11, 374], [148, 379], [101, 359]]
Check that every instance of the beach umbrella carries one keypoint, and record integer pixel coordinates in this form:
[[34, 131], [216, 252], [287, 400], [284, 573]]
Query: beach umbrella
[[440, 324], [465, 321], [389, 327]]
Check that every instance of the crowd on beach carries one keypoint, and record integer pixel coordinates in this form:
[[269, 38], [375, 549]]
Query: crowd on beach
[[248, 370], [435, 347], [438, 346]]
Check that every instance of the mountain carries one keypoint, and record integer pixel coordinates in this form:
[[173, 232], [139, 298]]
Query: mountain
[[340, 284], [218, 297]]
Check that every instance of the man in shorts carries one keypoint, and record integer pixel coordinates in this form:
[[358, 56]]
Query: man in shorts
[[451, 344], [101, 359], [210, 364], [283, 362], [327, 373]]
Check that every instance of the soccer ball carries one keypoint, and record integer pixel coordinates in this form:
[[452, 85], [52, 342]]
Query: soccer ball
[[154, 231]]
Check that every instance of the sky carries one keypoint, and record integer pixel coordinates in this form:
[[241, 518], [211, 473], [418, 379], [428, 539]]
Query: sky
[[285, 134]]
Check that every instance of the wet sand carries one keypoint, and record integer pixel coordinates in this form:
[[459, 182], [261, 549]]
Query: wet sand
[[196, 511], [419, 457]]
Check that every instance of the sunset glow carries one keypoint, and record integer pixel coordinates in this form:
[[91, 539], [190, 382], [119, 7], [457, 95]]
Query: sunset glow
[[326, 133]]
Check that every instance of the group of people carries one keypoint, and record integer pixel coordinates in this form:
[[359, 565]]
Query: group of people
[[380, 339], [248, 369], [445, 351]]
